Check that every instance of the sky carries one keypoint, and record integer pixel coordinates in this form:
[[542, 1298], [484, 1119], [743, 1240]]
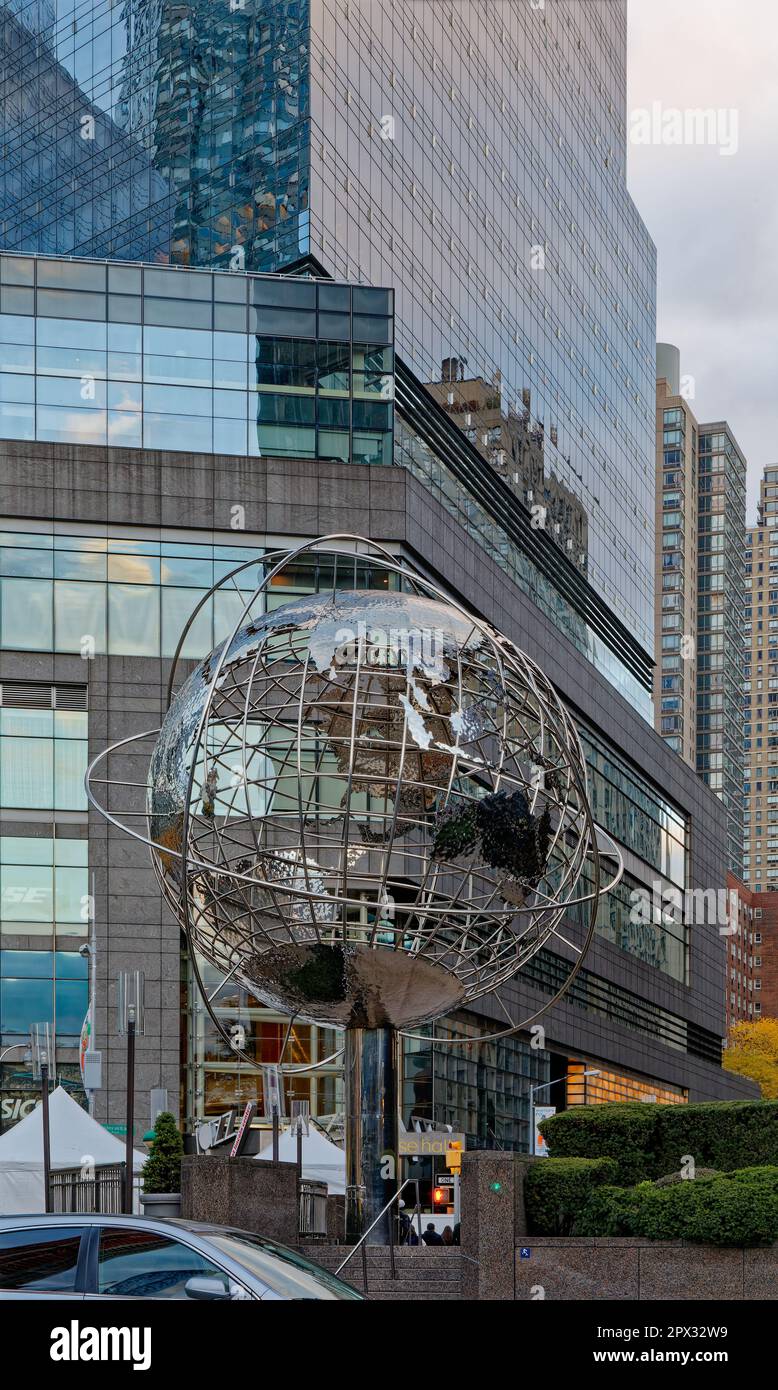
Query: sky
[[713, 216]]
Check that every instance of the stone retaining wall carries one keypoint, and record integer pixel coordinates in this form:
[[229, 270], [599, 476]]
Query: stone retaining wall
[[504, 1263], [258, 1196], [631, 1269]]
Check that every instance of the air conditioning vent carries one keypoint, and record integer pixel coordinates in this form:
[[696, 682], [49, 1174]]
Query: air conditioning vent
[[35, 695], [26, 695], [69, 696]]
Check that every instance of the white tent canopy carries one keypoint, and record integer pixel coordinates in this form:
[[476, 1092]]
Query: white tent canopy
[[323, 1161], [75, 1138]]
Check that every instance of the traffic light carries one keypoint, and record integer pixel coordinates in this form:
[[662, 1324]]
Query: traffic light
[[454, 1156], [439, 1196]]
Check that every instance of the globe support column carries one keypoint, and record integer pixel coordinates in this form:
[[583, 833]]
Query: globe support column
[[370, 1062]]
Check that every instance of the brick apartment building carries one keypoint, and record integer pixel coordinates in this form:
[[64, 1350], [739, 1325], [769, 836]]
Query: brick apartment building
[[752, 954]]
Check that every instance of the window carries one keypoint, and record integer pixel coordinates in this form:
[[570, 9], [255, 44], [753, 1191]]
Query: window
[[44, 1259], [42, 758], [137, 1264]]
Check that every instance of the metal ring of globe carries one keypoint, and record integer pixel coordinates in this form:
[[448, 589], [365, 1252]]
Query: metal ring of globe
[[402, 800]]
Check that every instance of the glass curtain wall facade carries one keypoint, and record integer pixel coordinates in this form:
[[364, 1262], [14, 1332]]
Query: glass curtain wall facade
[[94, 353], [720, 635], [156, 131], [482, 1091], [44, 880], [472, 156]]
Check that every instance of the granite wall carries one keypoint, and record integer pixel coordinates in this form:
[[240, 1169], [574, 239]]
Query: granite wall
[[502, 1263], [255, 1196], [633, 1270]]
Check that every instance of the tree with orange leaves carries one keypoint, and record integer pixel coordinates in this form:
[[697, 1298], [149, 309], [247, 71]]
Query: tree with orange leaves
[[752, 1050]]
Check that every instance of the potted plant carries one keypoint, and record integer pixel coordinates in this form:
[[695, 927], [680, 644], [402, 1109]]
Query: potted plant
[[161, 1195]]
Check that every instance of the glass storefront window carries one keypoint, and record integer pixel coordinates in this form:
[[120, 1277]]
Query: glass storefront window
[[481, 1091], [215, 1082]]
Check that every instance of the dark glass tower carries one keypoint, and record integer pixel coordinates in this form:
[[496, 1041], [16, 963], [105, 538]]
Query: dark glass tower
[[155, 131]]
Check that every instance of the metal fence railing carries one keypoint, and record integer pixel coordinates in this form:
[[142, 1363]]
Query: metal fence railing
[[99, 1189], [313, 1208]]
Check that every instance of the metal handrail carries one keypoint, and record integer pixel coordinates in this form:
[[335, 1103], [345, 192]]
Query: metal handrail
[[361, 1242]]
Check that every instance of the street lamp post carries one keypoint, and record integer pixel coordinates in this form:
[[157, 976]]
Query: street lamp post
[[130, 992], [544, 1085], [40, 1048]]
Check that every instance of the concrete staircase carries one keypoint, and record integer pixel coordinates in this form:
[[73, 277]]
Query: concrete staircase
[[423, 1273]]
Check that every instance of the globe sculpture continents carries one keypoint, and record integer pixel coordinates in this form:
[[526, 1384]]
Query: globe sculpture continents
[[367, 806]]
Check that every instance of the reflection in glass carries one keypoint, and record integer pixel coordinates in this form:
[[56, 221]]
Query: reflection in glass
[[26, 616], [79, 614], [62, 426], [134, 569], [27, 772], [133, 620], [177, 608], [177, 432]]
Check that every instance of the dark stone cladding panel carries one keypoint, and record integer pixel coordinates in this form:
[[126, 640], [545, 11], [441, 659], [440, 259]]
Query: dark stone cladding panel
[[302, 499]]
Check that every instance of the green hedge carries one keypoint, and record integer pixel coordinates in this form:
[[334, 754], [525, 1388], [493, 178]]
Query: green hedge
[[650, 1141], [739, 1208], [556, 1190]]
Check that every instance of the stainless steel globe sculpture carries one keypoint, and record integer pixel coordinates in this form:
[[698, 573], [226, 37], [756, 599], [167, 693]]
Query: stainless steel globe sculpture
[[368, 807]]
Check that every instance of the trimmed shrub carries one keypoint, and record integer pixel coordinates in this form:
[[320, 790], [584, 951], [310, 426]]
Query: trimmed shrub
[[557, 1189], [609, 1211], [739, 1208], [649, 1141], [670, 1178], [162, 1169], [624, 1132]]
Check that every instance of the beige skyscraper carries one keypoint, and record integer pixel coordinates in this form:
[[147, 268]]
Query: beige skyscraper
[[760, 692], [700, 521], [675, 675]]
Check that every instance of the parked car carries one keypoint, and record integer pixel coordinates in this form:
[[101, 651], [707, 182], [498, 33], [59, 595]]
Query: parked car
[[130, 1257]]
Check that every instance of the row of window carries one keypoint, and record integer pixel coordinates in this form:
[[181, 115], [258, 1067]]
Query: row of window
[[229, 361], [59, 1002], [44, 884], [631, 810], [152, 590], [185, 315], [161, 388], [176, 433]]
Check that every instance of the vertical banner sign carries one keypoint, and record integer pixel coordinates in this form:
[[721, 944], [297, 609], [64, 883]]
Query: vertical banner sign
[[542, 1112], [240, 1137], [84, 1041]]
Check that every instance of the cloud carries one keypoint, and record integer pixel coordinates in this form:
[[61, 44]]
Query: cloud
[[715, 218]]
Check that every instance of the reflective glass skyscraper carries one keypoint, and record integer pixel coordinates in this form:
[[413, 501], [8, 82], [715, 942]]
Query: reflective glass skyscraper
[[472, 155]]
